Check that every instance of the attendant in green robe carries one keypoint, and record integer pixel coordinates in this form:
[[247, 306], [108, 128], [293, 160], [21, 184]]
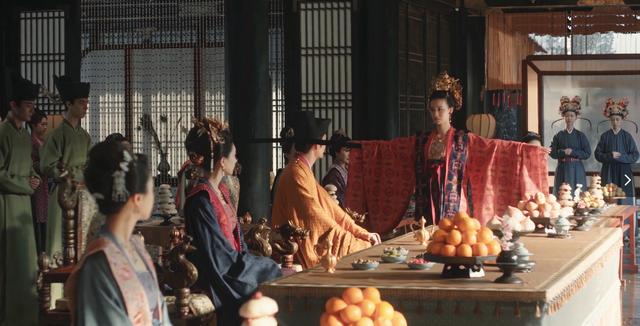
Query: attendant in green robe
[[68, 143], [18, 261]]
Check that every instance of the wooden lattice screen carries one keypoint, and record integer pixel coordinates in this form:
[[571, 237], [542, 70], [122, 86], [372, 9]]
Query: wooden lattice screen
[[326, 78], [424, 50], [165, 60], [42, 51]]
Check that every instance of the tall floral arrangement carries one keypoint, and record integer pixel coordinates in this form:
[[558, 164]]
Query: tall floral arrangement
[[507, 232]]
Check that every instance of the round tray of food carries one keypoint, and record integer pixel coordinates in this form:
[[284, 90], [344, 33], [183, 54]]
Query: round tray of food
[[365, 264], [420, 264], [396, 250]]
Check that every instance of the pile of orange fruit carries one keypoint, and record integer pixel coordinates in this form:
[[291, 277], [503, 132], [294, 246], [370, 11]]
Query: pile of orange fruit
[[462, 236], [361, 308]]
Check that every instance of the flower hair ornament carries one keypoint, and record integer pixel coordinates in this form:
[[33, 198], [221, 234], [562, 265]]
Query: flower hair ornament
[[448, 84], [212, 128], [571, 105], [119, 192], [620, 109]]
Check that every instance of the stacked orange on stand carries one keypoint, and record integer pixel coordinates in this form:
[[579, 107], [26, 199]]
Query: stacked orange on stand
[[361, 308], [462, 236]]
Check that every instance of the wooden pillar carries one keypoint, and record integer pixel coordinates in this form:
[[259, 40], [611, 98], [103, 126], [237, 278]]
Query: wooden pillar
[[247, 98], [459, 67], [376, 70]]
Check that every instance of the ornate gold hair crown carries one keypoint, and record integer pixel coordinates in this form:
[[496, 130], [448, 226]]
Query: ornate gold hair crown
[[613, 108], [448, 84], [212, 128], [574, 105]]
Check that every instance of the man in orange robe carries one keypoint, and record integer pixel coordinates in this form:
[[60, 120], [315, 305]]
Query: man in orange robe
[[303, 201]]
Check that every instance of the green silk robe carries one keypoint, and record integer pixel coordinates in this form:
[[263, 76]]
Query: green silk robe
[[73, 147], [18, 261]]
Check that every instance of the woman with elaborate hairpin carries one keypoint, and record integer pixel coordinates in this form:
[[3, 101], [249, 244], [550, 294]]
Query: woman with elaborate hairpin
[[570, 147], [443, 166], [227, 272], [115, 282], [617, 150]]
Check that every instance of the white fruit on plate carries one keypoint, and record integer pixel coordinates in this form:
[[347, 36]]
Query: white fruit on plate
[[515, 225], [528, 225], [494, 223], [522, 205]]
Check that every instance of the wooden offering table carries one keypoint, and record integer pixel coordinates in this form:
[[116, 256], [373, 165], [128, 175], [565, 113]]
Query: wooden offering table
[[574, 283], [156, 234], [617, 216]]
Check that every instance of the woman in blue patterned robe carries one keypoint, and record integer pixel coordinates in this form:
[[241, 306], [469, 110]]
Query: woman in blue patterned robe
[[570, 147], [617, 150]]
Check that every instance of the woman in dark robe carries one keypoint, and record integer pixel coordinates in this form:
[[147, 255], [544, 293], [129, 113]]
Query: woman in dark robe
[[338, 173], [227, 272], [617, 150], [115, 282], [570, 147], [40, 197]]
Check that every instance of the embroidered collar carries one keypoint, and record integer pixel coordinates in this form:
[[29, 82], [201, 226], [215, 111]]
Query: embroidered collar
[[303, 159], [341, 169], [569, 132], [36, 139], [616, 132]]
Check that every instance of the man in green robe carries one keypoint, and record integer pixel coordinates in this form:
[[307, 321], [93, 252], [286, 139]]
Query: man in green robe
[[18, 261], [68, 143]]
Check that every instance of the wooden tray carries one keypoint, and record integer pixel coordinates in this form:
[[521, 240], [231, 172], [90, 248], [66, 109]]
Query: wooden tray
[[460, 267], [476, 260]]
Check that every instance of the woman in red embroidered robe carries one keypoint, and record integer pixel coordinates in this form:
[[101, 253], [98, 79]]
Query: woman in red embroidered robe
[[227, 272], [115, 281], [442, 166], [40, 197]]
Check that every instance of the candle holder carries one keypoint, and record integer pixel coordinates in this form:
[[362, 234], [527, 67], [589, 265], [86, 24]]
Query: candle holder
[[507, 261]]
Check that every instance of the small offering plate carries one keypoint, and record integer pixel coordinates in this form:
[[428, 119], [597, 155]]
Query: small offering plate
[[560, 235]]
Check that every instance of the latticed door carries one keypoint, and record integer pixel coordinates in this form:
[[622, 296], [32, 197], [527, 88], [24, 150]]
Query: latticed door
[[42, 52], [325, 65], [424, 51]]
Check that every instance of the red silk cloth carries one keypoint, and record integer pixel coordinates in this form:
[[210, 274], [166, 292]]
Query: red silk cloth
[[382, 181], [382, 178]]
